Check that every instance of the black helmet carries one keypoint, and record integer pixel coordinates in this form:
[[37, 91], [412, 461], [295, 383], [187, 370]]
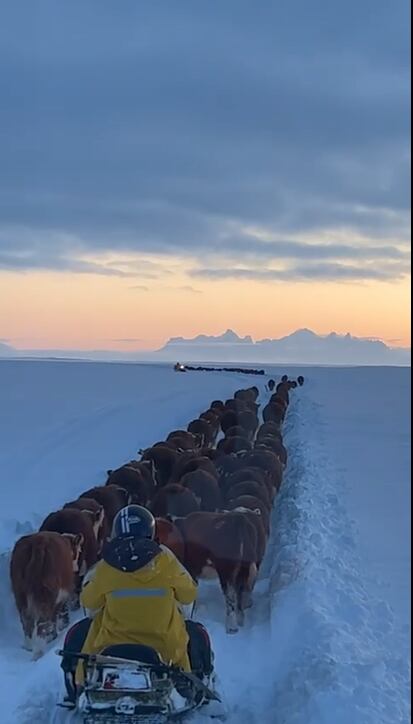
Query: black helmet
[[134, 520]]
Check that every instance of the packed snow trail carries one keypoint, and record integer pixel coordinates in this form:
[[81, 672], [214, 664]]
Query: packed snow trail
[[320, 645]]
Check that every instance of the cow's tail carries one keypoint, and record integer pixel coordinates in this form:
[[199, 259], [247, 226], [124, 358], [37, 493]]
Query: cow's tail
[[245, 539]]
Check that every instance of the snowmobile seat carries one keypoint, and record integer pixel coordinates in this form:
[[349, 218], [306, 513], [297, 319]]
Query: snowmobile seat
[[133, 652]]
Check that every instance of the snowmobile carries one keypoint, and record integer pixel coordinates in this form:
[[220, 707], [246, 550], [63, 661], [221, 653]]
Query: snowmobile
[[129, 684]]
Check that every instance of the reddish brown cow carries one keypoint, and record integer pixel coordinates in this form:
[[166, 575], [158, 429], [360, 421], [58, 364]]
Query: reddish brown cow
[[174, 501], [279, 400], [271, 443], [235, 405], [180, 444], [270, 429], [218, 405], [282, 390], [205, 488], [248, 473], [249, 421], [228, 542], [204, 429], [229, 445], [164, 461], [132, 479], [273, 413], [77, 523], [42, 572], [226, 465], [254, 516], [236, 431], [266, 460], [249, 487], [245, 395], [210, 452], [189, 463], [229, 419], [254, 504], [97, 515], [194, 441], [111, 497], [167, 534]]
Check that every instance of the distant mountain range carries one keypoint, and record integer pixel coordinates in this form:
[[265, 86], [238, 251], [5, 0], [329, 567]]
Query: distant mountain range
[[301, 347]]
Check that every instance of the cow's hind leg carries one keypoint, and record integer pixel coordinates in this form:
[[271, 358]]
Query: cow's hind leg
[[245, 584], [227, 580], [231, 609], [45, 631], [27, 622]]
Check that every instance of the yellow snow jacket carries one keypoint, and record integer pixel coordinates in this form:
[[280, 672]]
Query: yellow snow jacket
[[138, 599]]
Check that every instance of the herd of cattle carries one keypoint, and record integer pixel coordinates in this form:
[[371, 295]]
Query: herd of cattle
[[211, 488]]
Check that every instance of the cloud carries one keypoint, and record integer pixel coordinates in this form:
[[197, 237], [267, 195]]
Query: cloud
[[139, 288], [131, 340], [326, 272], [110, 144], [185, 288]]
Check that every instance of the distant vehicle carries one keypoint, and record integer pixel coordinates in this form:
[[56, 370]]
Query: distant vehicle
[[179, 368]]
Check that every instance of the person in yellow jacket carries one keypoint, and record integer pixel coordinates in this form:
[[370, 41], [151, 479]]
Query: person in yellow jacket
[[136, 590]]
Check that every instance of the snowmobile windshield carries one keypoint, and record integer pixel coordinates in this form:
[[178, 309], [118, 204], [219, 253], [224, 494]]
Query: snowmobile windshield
[[130, 554]]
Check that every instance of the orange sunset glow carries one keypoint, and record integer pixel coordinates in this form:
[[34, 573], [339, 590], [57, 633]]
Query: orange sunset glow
[[60, 311]]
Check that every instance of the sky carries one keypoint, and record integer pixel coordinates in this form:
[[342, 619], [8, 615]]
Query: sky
[[171, 168]]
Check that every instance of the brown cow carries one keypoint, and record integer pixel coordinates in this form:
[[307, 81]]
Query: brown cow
[[280, 400], [77, 523], [164, 461], [228, 542], [229, 445], [249, 487], [167, 534], [236, 431], [134, 480], [97, 515], [205, 488], [270, 429], [229, 419], [42, 572], [273, 413], [235, 405], [254, 504], [111, 497], [218, 405], [268, 461], [180, 444], [174, 501], [248, 473], [204, 429], [194, 441], [254, 516], [271, 443], [282, 390], [188, 463]]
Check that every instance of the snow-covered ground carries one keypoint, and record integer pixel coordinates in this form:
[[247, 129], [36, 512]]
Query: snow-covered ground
[[328, 638]]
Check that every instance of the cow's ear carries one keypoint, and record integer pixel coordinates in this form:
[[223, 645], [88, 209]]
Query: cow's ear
[[79, 540], [109, 472]]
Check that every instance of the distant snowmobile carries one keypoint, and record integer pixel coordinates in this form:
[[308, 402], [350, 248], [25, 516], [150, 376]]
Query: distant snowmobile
[[179, 368]]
